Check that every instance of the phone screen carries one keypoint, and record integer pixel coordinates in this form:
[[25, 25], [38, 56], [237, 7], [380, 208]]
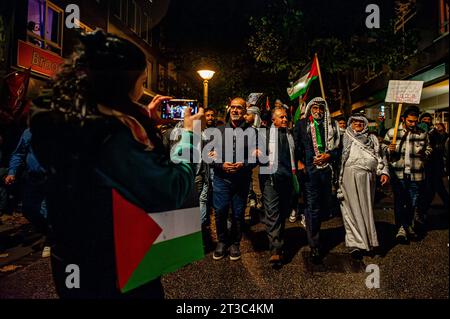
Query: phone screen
[[174, 109]]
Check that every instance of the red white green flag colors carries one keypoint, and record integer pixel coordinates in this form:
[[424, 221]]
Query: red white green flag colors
[[309, 74], [150, 245]]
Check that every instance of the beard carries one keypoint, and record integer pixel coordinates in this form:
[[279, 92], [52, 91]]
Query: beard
[[235, 117], [317, 116]]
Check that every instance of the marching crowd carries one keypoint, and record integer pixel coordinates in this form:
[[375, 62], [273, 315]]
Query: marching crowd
[[91, 137], [336, 163]]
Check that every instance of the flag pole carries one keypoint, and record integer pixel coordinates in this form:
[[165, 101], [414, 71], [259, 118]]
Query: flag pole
[[320, 76], [397, 123]]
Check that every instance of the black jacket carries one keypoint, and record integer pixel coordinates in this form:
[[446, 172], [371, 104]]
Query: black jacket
[[304, 148], [242, 147]]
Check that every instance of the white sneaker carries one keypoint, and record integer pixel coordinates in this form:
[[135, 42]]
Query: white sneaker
[[46, 252], [401, 235], [293, 216], [303, 221]]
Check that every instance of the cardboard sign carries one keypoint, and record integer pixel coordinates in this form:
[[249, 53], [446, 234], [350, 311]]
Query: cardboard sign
[[404, 92]]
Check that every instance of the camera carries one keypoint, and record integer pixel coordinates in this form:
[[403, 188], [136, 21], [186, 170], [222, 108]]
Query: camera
[[174, 109]]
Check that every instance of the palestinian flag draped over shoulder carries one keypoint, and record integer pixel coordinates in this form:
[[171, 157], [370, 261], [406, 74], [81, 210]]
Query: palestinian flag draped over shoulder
[[149, 245], [309, 73]]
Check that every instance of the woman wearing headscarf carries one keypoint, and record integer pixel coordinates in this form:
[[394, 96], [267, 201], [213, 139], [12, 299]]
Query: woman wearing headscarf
[[107, 167], [362, 161]]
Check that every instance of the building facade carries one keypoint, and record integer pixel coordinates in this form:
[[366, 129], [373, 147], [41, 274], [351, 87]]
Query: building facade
[[429, 64], [34, 34]]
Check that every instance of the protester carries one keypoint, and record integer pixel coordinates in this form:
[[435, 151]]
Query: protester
[[253, 119], [203, 181], [277, 186], [434, 167], [3, 174], [34, 185], [342, 127], [317, 147], [362, 160], [232, 181], [407, 157], [96, 141]]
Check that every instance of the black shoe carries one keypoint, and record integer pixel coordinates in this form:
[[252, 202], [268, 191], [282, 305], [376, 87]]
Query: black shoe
[[316, 258], [208, 244], [235, 253], [220, 251], [356, 254]]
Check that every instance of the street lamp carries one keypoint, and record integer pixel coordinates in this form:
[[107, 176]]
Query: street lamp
[[206, 75]]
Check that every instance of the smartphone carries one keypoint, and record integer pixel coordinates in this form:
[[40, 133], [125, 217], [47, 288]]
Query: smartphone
[[174, 109]]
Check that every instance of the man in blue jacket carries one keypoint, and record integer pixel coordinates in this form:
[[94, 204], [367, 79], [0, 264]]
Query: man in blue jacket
[[23, 163]]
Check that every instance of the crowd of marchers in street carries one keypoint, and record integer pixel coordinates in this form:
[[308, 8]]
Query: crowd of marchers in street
[[328, 163], [91, 136]]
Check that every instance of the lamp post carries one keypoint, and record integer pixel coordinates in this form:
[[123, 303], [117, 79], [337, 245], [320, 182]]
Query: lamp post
[[206, 75]]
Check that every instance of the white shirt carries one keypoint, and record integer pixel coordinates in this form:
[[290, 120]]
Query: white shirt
[[407, 155]]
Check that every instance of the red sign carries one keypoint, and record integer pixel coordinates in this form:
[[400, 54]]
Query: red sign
[[40, 61]]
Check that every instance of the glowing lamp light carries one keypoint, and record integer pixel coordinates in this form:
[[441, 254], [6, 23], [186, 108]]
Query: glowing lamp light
[[206, 74]]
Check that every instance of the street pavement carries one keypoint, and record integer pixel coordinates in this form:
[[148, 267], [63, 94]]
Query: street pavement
[[417, 270]]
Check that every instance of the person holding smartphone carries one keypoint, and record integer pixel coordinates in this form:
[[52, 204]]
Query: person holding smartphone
[[96, 141]]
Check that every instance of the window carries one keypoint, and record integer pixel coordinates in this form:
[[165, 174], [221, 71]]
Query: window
[[404, 11], [144, 27], [53, 25], [45, 25], [148, 83], [132, 15], [162, 78], [149, 32], [138, 21], [116, 8], [443, 16], [124, 10]]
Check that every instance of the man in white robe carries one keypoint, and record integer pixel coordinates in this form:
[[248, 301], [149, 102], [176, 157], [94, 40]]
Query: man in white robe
[[362, 161]]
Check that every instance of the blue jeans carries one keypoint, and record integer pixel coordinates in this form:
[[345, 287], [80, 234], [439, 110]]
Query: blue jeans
[[226, 192], [205, 197], [3, 191], [406, 199], [34, 206], [318, 198]]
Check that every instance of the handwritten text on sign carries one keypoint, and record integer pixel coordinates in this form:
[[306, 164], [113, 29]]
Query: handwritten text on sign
[[404, 91]]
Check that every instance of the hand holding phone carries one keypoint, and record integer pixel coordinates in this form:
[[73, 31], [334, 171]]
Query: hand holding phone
[[174, 109]]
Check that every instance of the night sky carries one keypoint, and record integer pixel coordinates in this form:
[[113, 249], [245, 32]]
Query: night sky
[[218, 25]]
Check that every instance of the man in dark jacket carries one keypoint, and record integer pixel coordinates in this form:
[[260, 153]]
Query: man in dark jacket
[[277, 186], [232, 174], [317, 147]]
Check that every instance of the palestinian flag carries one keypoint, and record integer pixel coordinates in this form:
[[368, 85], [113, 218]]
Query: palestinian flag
[[150, 245], [309, 73]]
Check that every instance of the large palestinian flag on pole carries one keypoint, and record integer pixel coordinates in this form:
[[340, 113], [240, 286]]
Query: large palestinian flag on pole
[[309, 73], [150, 245]]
